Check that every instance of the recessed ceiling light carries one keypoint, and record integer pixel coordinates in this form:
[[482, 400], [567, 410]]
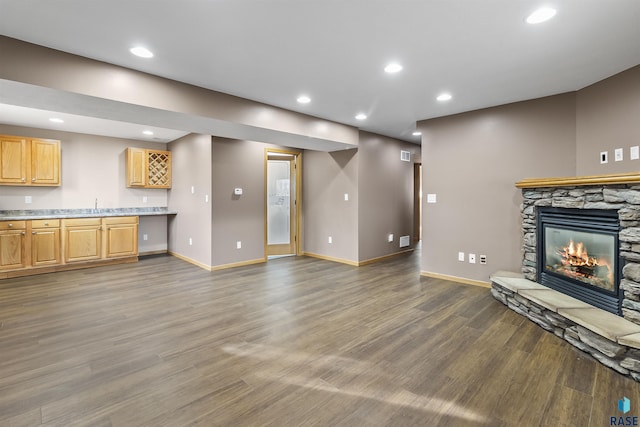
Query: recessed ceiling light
[[417, 133], [394, 67], [304, 99], [56, 120], [541, 15], [147, 132], [142, 52], [361, 116], [444, 97]]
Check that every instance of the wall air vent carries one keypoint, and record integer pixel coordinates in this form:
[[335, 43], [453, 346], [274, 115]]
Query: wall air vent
[[405, 156], [404, 241]]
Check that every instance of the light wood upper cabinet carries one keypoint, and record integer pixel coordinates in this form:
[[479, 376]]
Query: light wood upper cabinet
[[148, 168], [45, 162], [13, 160], [29, 161], [13, 245]]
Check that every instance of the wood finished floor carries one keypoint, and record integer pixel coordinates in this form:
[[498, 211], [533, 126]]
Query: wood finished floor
[[296, 341]]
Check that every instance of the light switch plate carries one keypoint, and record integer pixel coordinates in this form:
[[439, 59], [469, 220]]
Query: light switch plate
[[604, 157], [346, 197], [27, 199], [634, 153], [431, 198], [619, 154], [460, 256]]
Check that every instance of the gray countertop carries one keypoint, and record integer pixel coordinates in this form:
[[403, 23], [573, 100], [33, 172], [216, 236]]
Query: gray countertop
[[17, 215]]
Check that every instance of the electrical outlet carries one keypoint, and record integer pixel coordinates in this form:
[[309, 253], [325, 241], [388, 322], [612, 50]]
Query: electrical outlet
[[634, 153], [618, 154], [604, 157], [193, 190], [483, 259], [144, 199], [390, 238], [239, 244], [28, 199], [346, 197], [460, 256], [472, 258], [190, 241], [330, 239], [145, 237], [206, 198]]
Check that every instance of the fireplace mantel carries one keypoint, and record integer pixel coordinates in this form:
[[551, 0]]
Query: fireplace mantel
[[611, 179]]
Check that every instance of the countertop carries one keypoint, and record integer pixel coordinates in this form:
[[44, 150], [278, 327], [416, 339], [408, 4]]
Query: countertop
[[18, 215]]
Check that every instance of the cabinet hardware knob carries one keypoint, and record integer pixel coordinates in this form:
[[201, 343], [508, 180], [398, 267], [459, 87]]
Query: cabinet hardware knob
[[24, 179], [33, 232], [10, 225], [46, 223], [23, 233], [33, 179]]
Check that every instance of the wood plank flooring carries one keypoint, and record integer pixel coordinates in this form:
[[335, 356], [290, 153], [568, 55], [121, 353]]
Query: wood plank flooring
[[296, 341]]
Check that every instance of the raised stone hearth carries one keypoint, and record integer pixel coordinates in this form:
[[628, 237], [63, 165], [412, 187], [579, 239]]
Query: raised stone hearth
[[611, 339]]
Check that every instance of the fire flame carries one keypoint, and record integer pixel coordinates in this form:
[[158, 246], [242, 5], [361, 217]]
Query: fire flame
[[576, 255]]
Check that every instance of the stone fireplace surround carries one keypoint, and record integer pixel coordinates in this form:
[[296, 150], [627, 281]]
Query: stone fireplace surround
[[613, 340]]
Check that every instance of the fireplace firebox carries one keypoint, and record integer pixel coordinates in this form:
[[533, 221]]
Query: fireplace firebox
[[578, 254]]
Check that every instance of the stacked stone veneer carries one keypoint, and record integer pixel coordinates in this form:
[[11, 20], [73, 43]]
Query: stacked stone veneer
[[625, 199]]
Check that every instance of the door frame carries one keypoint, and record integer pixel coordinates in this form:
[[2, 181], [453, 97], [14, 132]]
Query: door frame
[[417, 202], [297, 161]]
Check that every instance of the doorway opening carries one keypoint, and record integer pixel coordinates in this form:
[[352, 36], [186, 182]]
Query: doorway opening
[[282, 202]]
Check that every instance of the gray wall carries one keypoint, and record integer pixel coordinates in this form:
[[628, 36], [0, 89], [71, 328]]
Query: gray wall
[[238, 164], [385, 194], [191, 160], [92, 167], [327, 177], [608, 117], [471, 162]]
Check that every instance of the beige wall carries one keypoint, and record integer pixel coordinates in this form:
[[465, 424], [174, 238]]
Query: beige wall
[[471, 162], [327, 177], [385, 194], [191, 160], [43, 67], [608, 117]]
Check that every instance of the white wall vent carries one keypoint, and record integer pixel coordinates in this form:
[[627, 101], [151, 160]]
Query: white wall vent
[[405, 156], [404, 241]]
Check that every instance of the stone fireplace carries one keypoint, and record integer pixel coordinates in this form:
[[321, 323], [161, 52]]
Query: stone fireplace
[[581, 265], [620, 201]]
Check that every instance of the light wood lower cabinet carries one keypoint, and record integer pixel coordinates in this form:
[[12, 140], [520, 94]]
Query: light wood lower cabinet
[[13, 245], [45, 242], [121, 237], [37, 246], [83, 239]]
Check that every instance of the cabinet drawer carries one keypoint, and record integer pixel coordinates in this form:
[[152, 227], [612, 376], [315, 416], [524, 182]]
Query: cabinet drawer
[[13, 225], [45, 223], [80, 222], [121, 220]]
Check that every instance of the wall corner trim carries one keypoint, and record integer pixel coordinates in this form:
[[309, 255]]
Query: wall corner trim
[[238, 264], [330, 258], [190, 261], [456, 279]]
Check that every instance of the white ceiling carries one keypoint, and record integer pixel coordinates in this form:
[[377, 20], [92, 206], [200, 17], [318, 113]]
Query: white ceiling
[[482, 52]]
